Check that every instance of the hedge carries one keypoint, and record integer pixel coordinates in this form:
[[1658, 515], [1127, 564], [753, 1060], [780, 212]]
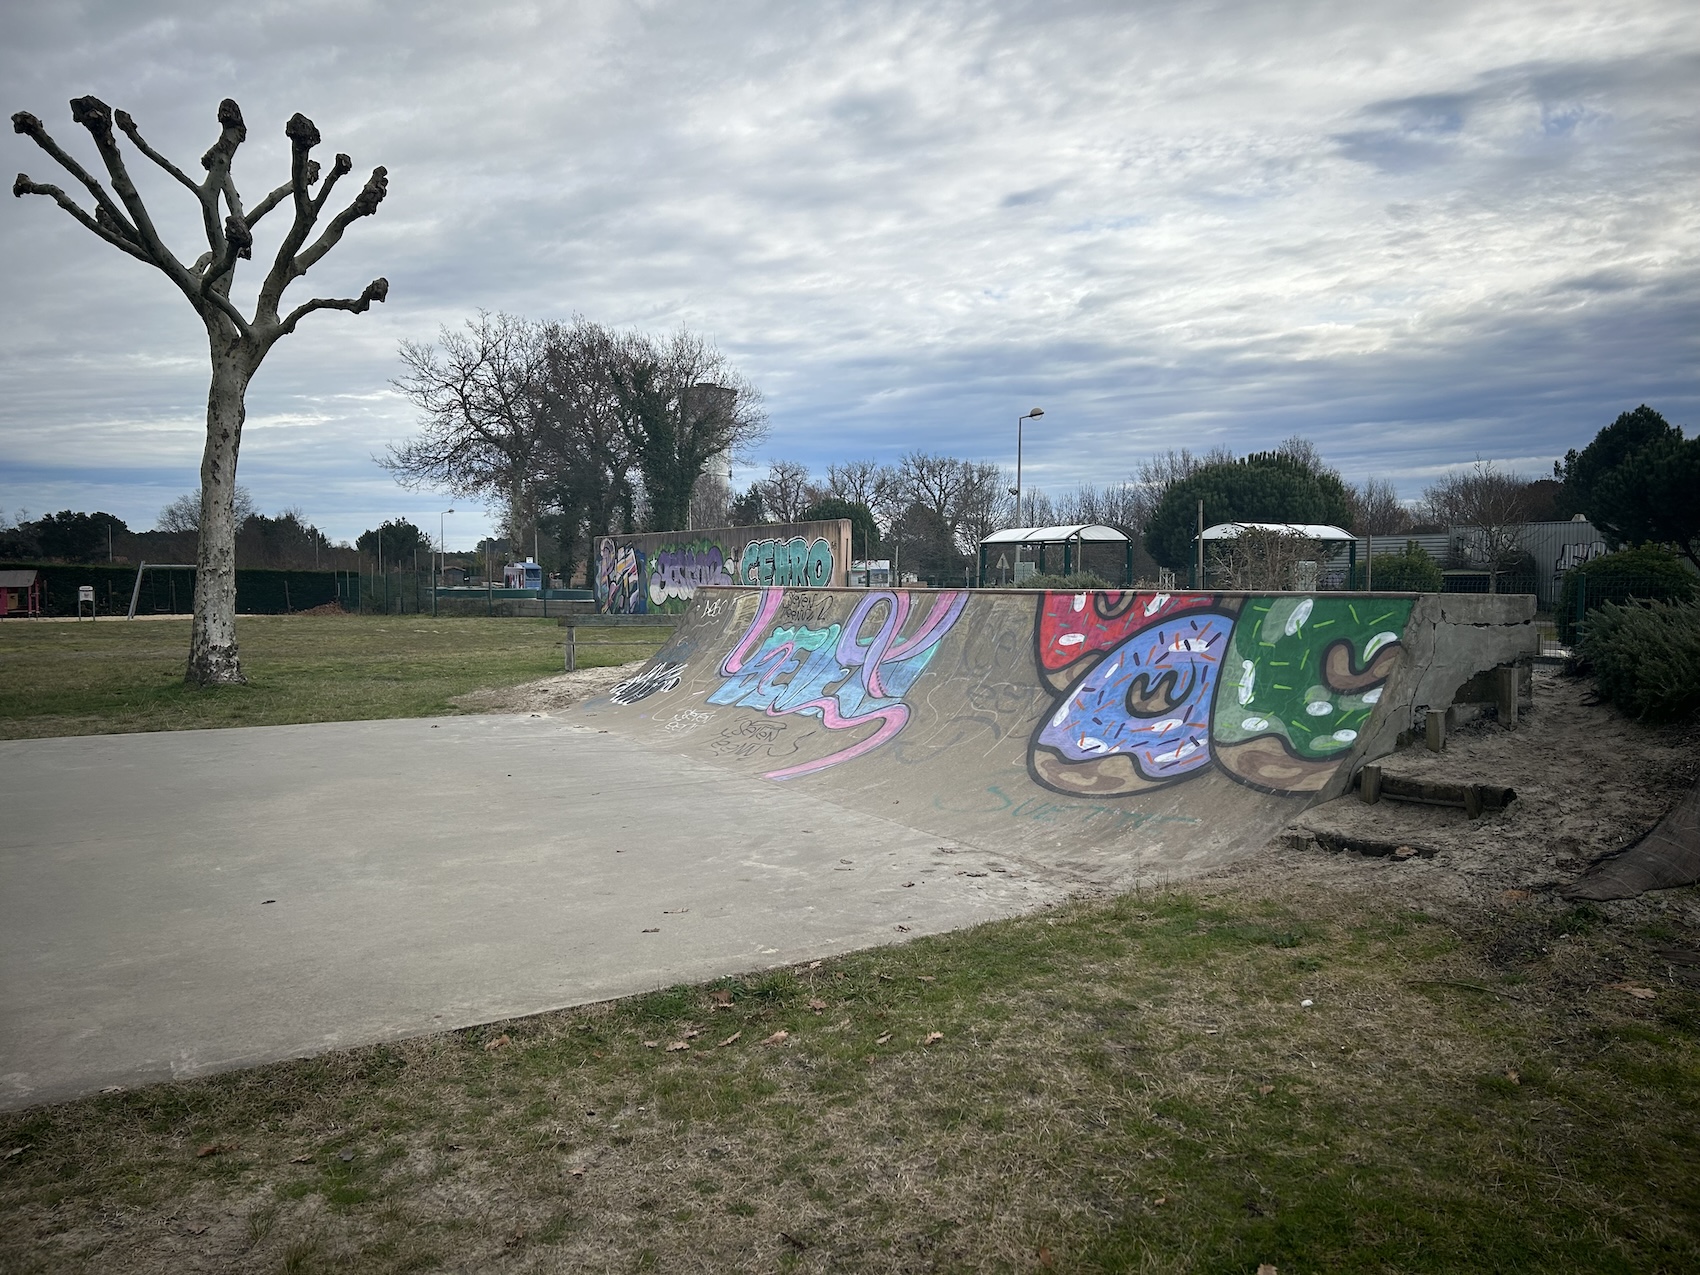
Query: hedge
[[259, 591], [1646, 657], [1647, 574]]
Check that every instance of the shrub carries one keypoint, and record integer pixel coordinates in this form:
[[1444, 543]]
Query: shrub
[[1412, 571], [1079, 582], [1649, 573], [1646, 657]]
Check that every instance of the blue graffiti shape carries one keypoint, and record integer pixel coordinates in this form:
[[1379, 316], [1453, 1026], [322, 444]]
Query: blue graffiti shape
[[848, 676], [789, 564], [1148, 700]]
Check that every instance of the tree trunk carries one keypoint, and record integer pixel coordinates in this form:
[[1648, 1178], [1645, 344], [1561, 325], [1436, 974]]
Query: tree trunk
[[212, 639]]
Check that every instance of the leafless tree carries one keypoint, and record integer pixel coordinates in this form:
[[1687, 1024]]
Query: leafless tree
[[788, 490], [478, 392], [857, 481], [237, 343], [1377, 509], [1489, 501], [184, 513], [1259, 559], [1157, 475]]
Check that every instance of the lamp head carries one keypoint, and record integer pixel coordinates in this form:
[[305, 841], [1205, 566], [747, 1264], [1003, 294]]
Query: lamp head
[[1037, 411]]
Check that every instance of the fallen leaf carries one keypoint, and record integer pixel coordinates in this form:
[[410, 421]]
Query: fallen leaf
[[1639, 993], [814, 965], [778, 1038], [1266, 1090], [883, 1039], [729, 1040], [692, 1034], [676, 1046], [907, 884], [1404, 852], [1513, 1076], [933, 1038], [722, 997], [113, 1089], [927, 978], [1264, 1268], [651, 1044], [1045, 1258], [215, 1148], [817, 1004], [903, 929], [346, 1154], [301, 1159], [653, 930], [578, 1172], [673, 911], [501, 1042], [1161, 1199], [1514, 896], [196, 1230]]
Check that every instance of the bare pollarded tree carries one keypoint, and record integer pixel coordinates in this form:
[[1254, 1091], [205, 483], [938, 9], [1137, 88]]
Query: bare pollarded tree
[[238, 344]]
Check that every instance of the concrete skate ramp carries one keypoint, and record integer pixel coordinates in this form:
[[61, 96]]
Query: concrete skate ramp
[[1115, 737]]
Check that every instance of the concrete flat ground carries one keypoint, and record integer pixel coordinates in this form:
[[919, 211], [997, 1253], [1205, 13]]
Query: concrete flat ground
[[180, 903]]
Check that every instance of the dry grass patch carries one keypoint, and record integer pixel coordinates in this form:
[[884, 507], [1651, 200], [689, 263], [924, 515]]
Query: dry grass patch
[[113, 677], [1124, 1085]]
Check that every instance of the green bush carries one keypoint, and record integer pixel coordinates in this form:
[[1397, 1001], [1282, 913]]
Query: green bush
[[1080, 581], [1647, 574], [1646, 657], [1412, 571]]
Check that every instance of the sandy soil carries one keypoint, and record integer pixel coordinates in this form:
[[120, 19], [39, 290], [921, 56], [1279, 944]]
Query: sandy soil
[[1589, 781], [549, 694]]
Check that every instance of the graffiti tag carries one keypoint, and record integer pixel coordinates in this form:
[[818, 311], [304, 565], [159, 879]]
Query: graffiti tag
[[686, 720], [849, 676], [790, 564], [663, 677]]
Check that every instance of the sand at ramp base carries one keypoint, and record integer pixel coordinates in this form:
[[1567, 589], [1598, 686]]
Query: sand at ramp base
[[1115, 736]]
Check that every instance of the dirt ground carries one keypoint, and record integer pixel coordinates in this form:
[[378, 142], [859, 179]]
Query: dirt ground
[[549, 694], [1588, 780]]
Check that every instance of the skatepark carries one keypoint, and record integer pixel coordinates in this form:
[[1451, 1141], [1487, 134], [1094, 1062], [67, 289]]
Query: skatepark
[[797, 773]]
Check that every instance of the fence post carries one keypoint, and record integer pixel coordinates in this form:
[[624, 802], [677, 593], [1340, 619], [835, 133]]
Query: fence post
[[1581, 609]]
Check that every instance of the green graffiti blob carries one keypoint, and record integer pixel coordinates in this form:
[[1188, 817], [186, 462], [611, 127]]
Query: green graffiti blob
[[1307, 671]]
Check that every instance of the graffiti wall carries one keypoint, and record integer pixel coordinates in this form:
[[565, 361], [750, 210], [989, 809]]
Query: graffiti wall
[[662, 571], [1153, 689]]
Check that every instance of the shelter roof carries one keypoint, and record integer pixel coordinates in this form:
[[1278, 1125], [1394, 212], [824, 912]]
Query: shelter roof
[[17, 579], [1055, 535], [1309, 530]]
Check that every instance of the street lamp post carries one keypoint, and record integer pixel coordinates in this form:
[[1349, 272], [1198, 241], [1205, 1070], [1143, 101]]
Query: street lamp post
[[437, 581], [1016, 490]]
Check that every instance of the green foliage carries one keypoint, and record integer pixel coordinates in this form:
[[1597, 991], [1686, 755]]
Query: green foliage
[[1649, 573], [1638, 481], [1075, 583], [1646, 657], [1412, 571], [258, 592], [1264, 487], [864, 532], [398, 539]]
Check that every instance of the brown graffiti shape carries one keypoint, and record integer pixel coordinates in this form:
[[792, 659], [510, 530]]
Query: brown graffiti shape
[[1340, 676]]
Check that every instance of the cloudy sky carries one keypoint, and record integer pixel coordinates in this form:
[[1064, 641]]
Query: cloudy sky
[[1414, 233]]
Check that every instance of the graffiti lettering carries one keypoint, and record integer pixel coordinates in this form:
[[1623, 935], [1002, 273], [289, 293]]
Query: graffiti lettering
[[809, 609], [678, 571], [848, 676], [662, 677], [747, 738], [686, 720], [619, 579], [1273, 691], [792, 564], [1574, 555]]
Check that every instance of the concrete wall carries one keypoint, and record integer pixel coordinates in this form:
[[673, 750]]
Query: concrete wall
[[661, 571]]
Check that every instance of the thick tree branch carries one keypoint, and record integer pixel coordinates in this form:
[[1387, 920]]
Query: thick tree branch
[[277, 196], [128, 126], [233, 132], [342, 166], [29, 126], [363, 205], [377, 290], [24, 186], [96, 116], [303, 135]]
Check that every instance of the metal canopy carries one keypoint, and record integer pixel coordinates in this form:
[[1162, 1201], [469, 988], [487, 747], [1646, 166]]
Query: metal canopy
[[1086, 531], [1309, 530]]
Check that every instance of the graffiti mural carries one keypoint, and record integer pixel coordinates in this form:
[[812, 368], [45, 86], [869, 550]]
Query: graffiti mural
[[1156, 688], [661, 571], [850, 676]]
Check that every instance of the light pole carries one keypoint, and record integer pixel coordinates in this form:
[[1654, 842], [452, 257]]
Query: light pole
[[437, 582], [1016, 490]]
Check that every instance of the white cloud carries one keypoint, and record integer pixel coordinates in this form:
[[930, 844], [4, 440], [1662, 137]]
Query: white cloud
[[1414, 235]]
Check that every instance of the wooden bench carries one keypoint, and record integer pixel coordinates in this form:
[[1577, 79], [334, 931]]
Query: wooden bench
[[643, 629]]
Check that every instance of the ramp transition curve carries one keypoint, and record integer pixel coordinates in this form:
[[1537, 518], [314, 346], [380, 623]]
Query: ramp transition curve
[[1118, 736]]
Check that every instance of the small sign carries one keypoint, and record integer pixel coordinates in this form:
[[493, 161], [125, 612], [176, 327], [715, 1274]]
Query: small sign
[[1003, 562]]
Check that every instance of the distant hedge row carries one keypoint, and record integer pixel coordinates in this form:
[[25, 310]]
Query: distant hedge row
[[259, 591]]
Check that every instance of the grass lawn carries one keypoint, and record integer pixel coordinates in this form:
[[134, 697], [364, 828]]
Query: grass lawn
[[114, 676], [1122, 1085]]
